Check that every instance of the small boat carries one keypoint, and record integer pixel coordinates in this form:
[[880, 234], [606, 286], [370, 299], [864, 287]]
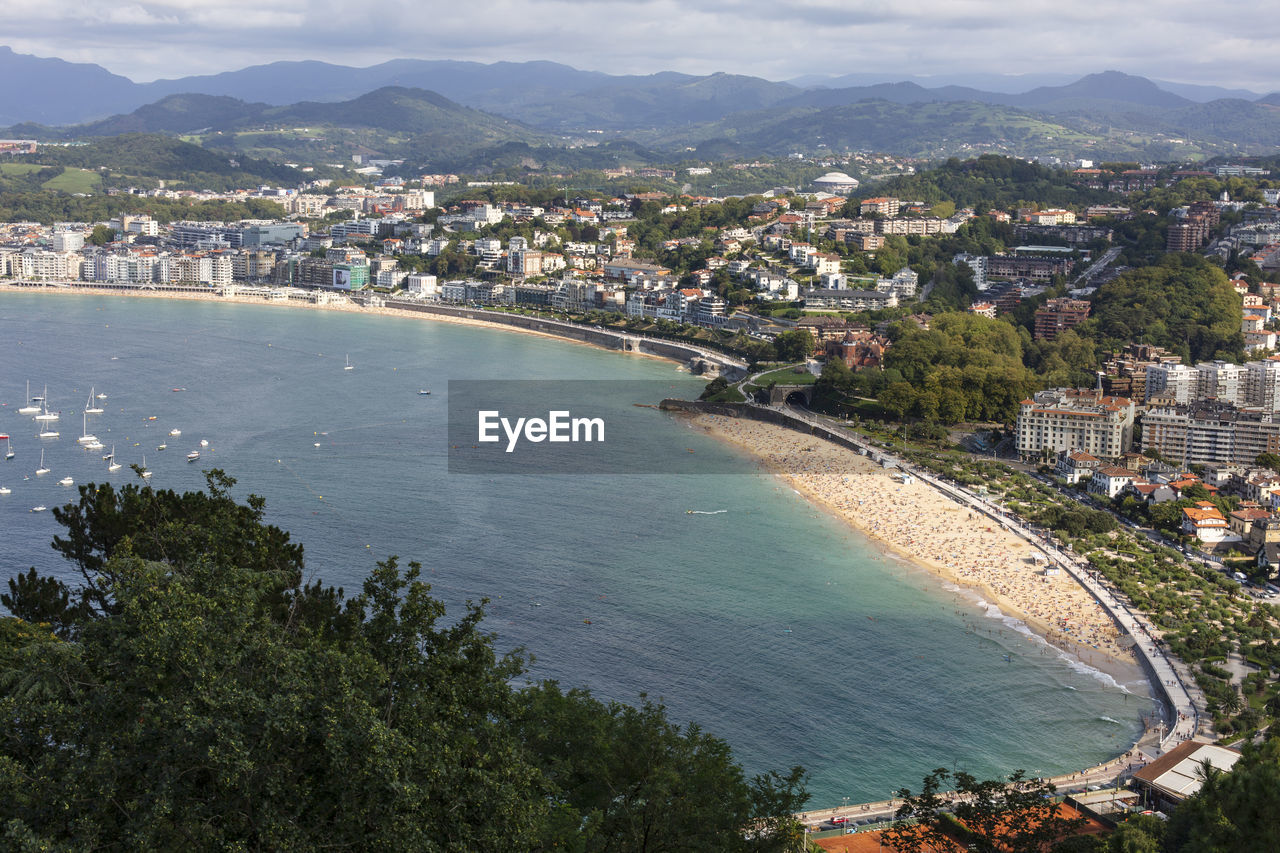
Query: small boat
[[29, 409], [161, 446], [145, 474], [49, 432], [204, 442], [5, 490], [66, 481], [112, 464], [94, 445], [175, 432], [8, 451], [424, 392], [40, 508], [102, 396], [151, 418], [349, 365], [87, 438], [90, 407], [41, 470], [176, 390], [193, 456]]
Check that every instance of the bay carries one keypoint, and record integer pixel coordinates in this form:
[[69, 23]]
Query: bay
[[770, 625]]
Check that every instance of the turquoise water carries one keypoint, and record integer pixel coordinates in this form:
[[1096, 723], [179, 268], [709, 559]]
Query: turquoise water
[[771, 625]]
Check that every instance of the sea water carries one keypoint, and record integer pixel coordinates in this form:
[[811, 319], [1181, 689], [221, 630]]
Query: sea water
[[769, 624]]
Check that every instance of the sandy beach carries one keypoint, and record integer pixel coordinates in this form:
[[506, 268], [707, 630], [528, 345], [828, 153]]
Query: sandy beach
[[291, 304], [921, 524]]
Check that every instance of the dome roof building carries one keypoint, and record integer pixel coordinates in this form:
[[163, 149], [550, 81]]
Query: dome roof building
[[836, 182]]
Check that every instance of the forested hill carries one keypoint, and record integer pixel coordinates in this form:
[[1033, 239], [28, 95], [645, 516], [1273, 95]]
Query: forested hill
[[994, 181], [157, 156]]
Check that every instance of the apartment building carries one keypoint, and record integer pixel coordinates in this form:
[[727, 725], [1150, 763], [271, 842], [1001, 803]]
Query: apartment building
[[1064, 419], [1210, 433], [1058, 315]]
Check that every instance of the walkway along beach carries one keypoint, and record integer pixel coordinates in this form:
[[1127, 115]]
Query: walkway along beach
[[962, 538]]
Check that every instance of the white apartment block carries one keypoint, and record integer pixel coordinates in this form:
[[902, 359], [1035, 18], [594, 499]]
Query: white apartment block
[[68, 241], [1221, 381], [1255, 385], [46, 266], [1068, 420], [1175, 381], [1210, 434]]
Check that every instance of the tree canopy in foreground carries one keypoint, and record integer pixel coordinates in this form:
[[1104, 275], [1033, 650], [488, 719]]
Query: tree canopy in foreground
[[193, 693]]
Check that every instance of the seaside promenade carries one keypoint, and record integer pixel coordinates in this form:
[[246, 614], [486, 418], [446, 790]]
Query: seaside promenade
[[1179, 717]]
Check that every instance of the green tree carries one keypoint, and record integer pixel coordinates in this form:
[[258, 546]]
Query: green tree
[[632, 780], [1268, 460], [101, 235], [1014, 816], [793, 344], [1234, 811], [206, 699]]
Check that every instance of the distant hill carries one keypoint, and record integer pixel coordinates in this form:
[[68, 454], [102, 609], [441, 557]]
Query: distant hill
[[445, 112], [1111, 86], [186, 113], [52, 91], [909, 129]]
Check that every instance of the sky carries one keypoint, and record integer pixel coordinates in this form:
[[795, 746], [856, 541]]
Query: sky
[[1188, 41]]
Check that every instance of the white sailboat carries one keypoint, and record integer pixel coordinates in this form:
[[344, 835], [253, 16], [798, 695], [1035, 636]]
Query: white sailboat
[[29, 409], [8, 448], [66, 481], [112, 464], [146, 473], [87, 438], [91, 407], [45, 414], [41, 470], [349, 365], [47, 431]]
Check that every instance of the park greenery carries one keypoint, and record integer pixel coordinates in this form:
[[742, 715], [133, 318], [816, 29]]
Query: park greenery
[[1184, 303], [1198, 613], [190, 691]]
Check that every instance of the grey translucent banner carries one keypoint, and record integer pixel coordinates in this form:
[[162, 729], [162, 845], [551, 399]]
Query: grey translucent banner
[[573, 426]]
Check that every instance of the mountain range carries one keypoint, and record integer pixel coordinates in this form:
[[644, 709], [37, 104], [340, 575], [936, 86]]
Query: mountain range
[[436, 111]]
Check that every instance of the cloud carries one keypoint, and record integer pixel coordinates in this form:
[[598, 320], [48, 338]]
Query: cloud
[[1179, 40]]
